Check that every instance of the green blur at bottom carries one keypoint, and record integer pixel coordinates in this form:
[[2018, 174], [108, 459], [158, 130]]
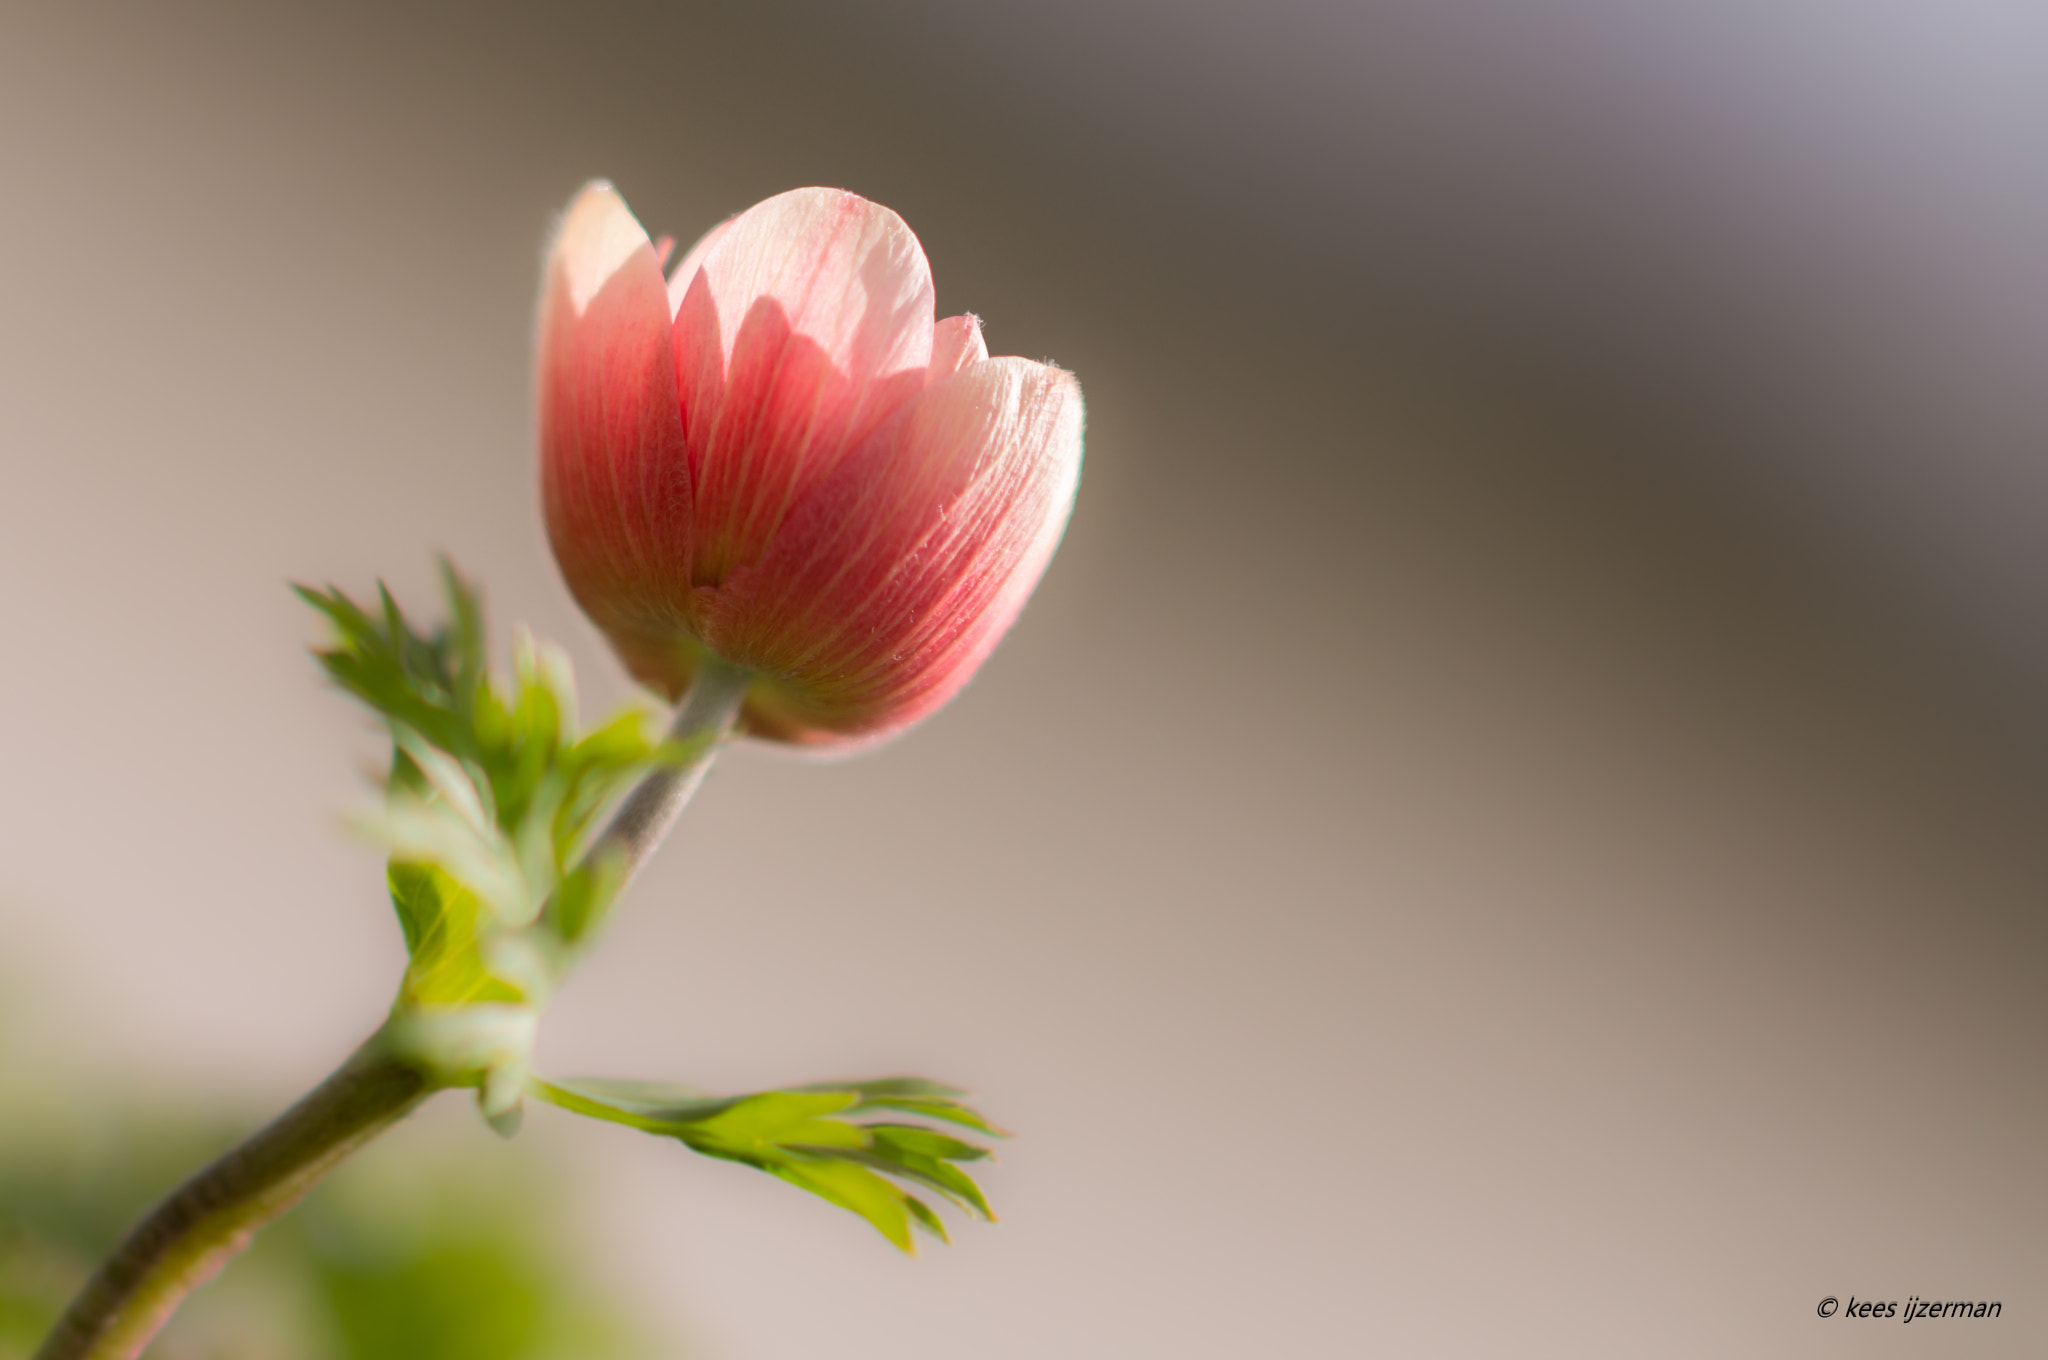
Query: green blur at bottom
[[425, 1248]]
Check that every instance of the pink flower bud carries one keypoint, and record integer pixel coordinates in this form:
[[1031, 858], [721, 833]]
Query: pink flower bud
[[777, 458]]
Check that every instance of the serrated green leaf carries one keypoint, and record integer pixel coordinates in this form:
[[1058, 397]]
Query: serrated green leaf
[[921, 1214], [624, 742], [466, 623], [776, 1116], [914, 1095], [722, 1125], [417, 898], [944, 1177], [925, 1142], [585, 894], [955, 1184], [494, 788], [797, 1133], [466, 789], [419, 832], [856, 1188], [936, 1109], [652, 1107], [441, 920]]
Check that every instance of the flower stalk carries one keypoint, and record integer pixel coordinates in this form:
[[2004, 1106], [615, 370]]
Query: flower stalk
[[703, 721], [186, 1239], [207, 1221]]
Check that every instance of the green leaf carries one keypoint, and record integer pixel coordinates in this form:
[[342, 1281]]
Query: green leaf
[[858, 1189], [441, 921], [914, 1095], [420, 832], [418, 899], [804, 1136], [775, 1116], [585, 894], [653, 1106], [921, 1214], [925, 1142], [955, 1184], [492, 786], [949, 1111]]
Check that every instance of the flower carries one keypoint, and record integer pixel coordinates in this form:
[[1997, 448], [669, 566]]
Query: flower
[[777, 458]]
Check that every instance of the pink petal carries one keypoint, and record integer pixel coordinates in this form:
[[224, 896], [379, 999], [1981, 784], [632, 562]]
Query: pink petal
[[809, 322], [614, 477], [956, 343], [685, 273], [888, 586]]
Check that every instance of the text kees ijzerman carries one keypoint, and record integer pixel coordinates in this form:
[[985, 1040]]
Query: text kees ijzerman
[[1913, 1307]]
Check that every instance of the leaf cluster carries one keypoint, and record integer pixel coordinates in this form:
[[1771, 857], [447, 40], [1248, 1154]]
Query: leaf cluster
[[489, 803], [495, 789], [810, 1137]]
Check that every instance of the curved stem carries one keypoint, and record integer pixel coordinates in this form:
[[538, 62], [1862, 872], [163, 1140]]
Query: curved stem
[[702, 722], [186, 1239]]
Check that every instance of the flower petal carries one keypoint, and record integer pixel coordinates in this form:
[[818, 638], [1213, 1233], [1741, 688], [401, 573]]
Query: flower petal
[[895, 578], [956, 343], [808, 324], [615, 483], [685, 273], [598, 235]]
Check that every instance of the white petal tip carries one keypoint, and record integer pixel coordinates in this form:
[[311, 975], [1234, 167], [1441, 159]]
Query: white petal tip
[[956, 343], [599, 234]]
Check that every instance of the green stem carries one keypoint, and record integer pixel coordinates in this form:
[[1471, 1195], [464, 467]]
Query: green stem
[[185, 1240], [703, 721]]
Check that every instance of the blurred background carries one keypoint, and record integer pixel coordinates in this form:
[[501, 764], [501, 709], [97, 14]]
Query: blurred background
[[1513, 826], [428, 1246]]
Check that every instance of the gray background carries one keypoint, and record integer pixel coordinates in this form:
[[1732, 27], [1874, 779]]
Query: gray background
[[1513, 826]]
